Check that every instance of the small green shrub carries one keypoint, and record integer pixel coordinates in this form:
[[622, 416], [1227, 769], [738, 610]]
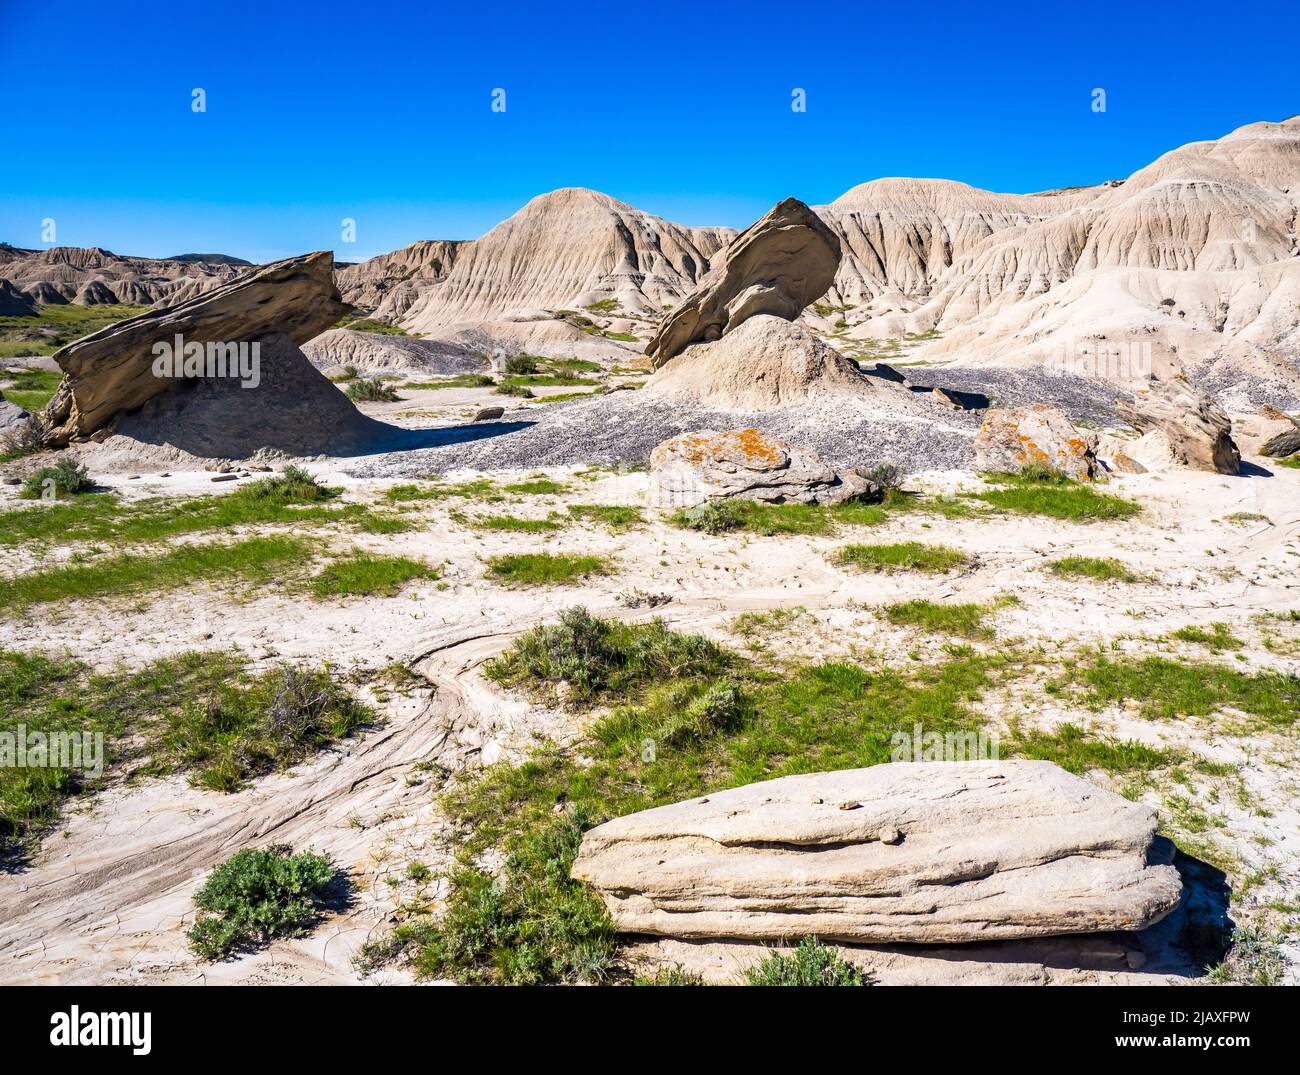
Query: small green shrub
[[530, 925], [595, 656], [518, 365], [370, 390], [65, 478], [256, 896], [508, 388], [810, 964], [886, 475]]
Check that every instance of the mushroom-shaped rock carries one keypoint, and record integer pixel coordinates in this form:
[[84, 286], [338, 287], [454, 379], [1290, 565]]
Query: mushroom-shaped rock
[[778, 265]]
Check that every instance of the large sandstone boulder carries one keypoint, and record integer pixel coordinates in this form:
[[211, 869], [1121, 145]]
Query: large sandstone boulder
[[1197, 430], [1270, 433], [1010, 439], [707, 465], [932, 853], [766, 362], [777, 266], [111, 371]]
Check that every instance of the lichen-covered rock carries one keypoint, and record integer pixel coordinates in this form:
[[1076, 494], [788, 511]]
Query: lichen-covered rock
[[777, 266], [1010, 439], [930, 852], [707, 465], [1197, 429]]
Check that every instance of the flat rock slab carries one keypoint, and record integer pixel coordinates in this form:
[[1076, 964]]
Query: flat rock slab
[[932, 853]]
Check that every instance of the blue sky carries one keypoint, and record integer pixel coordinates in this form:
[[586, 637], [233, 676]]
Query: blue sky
[[381, 112]]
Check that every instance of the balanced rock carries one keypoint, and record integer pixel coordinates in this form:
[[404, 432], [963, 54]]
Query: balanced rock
[[1197, 430], [1010, 439], [1269, 433], [707, 465], [765, 363], [777, 266], [112, 371], [984, 850]]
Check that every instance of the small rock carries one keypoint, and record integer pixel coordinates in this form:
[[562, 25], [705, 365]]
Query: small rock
[[890, 835], [488, 414], [225, 478]]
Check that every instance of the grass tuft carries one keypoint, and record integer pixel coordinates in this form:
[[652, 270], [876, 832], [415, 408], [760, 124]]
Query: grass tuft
[[547, 569], [810, 964], [909, 555], [1091, 567], [364, 574]]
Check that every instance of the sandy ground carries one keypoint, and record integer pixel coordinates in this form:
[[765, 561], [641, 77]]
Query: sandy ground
[[108, 896]]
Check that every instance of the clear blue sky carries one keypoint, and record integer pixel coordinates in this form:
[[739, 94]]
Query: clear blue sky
[[380, 111]]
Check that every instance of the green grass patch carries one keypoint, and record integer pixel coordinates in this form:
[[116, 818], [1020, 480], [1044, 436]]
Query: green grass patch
[[964, 620], [547, 569], [510, 524], [1092, 567], [293, 498], [256, 896], [614, 516], [1169, 689], [256, 560], [550, 380], [1075, 750], [1292, 461], [30, 389], [52, 326], [537, 487], [1216, 638], [1056, 497], [908, 555], [369, 324], [364, 574], [476, 489], [204, 714], [461, 380]]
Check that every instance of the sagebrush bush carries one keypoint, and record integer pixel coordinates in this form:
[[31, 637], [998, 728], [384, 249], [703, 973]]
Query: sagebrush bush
[[529, 925], [67, 477], [369, 390], [508, 389], [712, 517], [594, 656], [886, 475], [521, 365], [257, 895], [810, 964]]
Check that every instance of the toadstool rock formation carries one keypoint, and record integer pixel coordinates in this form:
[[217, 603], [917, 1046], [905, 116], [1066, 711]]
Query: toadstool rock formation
[[777, 266], [111, 371]]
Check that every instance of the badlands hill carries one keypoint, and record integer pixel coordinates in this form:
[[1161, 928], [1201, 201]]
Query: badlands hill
[[91, 276], [1189, 264], [566, 249]]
